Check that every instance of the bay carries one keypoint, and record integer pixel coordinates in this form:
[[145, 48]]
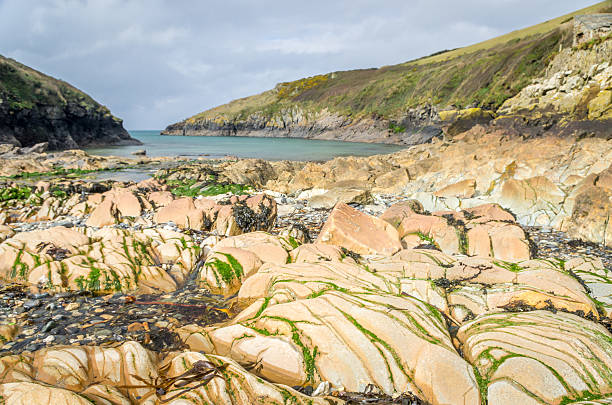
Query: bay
[[243, 147]]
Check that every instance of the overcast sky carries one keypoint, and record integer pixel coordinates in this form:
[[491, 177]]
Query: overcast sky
[[155, 62]]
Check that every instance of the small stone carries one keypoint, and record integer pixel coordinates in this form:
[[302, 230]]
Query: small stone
[[104, 332], [48, 326], [29, 304]]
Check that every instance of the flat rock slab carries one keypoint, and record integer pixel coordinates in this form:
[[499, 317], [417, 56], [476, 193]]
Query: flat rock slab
[[538, 357], [340, 323]]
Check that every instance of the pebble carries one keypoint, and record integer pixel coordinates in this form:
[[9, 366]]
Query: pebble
[[29, 304]]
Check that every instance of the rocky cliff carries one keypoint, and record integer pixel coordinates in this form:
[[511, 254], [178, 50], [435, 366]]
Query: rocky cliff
[[446, 93], [36, 108]]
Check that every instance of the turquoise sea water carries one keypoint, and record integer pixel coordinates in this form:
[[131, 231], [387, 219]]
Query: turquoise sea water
[[264, 148]]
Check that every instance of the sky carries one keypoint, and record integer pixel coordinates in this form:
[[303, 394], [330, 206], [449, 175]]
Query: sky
[[156, 62]]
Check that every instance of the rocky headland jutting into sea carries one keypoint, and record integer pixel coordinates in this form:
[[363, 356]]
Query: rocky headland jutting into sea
[[36, 108], [471, 269]]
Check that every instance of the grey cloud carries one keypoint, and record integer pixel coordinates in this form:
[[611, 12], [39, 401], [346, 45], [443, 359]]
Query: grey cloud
[[154, 62]]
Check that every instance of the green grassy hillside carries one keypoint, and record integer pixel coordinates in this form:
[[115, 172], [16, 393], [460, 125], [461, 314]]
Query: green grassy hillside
[[484, 75], [23, 87]]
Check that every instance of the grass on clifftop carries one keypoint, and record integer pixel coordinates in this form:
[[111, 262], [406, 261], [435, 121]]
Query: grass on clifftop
[[484, 74], [22, 87]]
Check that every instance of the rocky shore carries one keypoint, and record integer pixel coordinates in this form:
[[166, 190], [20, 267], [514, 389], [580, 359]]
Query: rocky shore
[[466, 272]]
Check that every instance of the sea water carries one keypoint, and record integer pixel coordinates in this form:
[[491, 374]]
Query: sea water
[[243, 147]]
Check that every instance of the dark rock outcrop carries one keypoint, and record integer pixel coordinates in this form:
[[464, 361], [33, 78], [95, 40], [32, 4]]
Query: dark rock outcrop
[[36, 108]]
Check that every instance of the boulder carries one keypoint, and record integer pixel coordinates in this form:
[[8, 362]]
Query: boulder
[[160, 198], [127, 202], [182, 212], [398, 211], [226, 268], [495, 286], [590, 219], [104, 214], [431, 229], [359, 232], [55, 237], [5, 232]]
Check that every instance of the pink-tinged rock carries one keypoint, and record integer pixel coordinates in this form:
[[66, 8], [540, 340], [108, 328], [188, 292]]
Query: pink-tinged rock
[[489, 212], [359, 232], [160, 198], [316, 252], [58, 236], [226, 223], [151, 184], [104, 214], [397, 212], [209, 207], [43, 186], [182, 212], [509, 243], [239, 264], [436, 228], [462, 189], [94, 199], [126, 202]]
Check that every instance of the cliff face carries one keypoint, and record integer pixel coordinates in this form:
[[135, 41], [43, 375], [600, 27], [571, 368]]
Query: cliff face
[[445, 93], [37, 108]]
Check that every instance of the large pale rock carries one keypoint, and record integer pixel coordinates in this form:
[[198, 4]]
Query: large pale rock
[[226, 268], [182, 212], [104, 214], [462, 189], [146, 262], [160, 198], [553, 357], [431, 228], [316, 252], [84, 375], [58, 237], [498, 286], [391, 182], [226, 222], [5, 232], [590, 218], [501, 240], [326, 324], [127, 202], [359, 232], [398, 211], [535, 201]]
